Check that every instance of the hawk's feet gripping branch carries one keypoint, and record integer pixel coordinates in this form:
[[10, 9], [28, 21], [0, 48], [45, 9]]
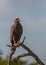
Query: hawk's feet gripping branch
[[16, 44]]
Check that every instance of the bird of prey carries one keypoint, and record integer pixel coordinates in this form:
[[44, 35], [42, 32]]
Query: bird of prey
[[16, 32]]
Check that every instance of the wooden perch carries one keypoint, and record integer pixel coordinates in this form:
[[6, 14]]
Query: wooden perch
[[30, 53]]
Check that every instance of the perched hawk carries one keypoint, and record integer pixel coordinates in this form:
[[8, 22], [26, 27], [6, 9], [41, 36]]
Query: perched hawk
[[16, 32]]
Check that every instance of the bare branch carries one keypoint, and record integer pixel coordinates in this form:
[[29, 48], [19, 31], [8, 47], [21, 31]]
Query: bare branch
[[30, 53], [22, 55]]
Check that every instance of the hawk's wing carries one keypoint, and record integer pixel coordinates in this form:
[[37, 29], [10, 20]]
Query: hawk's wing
[[16, 32], [19, 31], [12, 32]]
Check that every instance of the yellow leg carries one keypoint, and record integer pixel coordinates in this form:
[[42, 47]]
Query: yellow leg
[[16, 44]]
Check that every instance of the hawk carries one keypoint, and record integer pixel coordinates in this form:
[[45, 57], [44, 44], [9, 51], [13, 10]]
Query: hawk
[[16, 32]]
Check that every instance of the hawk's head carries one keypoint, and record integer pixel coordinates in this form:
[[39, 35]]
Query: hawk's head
[[17, 20]]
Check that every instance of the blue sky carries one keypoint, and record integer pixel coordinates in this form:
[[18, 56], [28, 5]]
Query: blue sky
[[33, 16]]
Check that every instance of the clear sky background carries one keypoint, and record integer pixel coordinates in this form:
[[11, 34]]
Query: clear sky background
[[33, 16]]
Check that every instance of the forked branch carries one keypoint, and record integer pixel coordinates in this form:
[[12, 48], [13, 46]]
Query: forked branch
[[30, 53]]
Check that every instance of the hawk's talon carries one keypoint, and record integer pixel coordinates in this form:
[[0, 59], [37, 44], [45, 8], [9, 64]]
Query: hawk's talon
[[16, 44]]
